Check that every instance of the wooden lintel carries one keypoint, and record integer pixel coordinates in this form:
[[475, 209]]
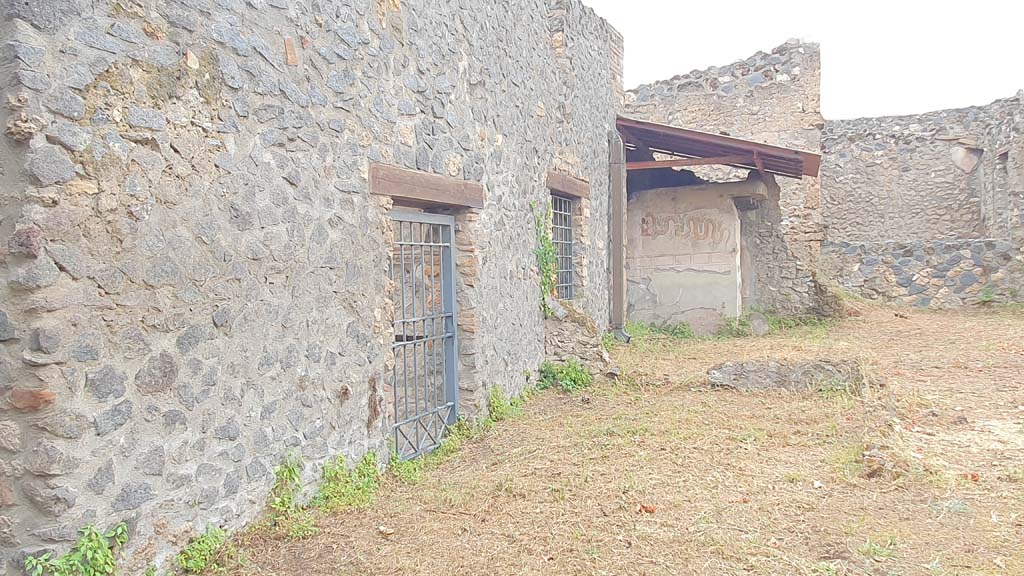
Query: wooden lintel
[[683, 162], [564, 184], [422, 189]]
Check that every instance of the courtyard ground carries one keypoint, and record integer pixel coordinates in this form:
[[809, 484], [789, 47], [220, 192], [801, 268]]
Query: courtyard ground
[[656, 474]]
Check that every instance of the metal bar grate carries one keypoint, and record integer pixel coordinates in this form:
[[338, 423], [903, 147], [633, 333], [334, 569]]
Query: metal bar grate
[[423, 381], [562, 238]]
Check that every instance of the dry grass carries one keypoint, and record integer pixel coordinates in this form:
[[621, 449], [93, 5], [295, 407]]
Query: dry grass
[[656, 475]]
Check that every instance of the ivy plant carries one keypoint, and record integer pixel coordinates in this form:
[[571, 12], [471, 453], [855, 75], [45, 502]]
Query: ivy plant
[[547, 260]]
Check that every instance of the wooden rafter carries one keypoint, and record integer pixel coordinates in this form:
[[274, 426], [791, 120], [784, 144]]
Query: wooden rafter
[[684, 162], [760, 166]]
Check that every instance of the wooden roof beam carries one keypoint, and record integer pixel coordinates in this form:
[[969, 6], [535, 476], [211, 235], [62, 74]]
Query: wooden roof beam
[[684, 162]]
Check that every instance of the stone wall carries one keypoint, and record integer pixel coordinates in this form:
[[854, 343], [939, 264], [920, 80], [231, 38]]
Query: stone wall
[[926, 209], [771, 98], [195, 281], [939, 175], [930, 274]]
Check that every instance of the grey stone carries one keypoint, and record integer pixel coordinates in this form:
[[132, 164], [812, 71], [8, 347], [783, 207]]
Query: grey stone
[[127, 33], [71, 136], [232, 481], [793, 376], [162, 272], [968, 278], [32, 56], [47, 459], [34, 80], [7, 331], [294, 93], [159, 374], [152, 461], [113, 418], [78, 76], [230, 72], [102, 478], [70, 425], [51, 498], [192, 337], [177, 480], [70, 260], [146, 118], [66, 103], [86, 348], [341, 81], [221, 316], [132, 496], [267, 112], [208, 473], [915, 289], [256, 471], [173, 420], [91, 35], [228, 431], [106, 383], [50, 165], [35, 274], [46, 340], [185, 394], [161, 56]]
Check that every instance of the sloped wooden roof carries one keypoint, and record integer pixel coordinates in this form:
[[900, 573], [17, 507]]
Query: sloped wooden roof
[[695, 148]]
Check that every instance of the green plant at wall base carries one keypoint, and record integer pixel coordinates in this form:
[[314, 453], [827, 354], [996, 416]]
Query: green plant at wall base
[[547, 260], [681, 331], [500, 407], [569, 376], [201, 553], [343, 488], [286, 486], [987, 294], [608, 341], [92, 555]]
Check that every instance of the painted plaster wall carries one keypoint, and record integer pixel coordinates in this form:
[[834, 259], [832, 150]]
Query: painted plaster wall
[[683, 255]]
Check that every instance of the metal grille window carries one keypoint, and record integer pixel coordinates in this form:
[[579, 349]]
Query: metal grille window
[[424, 380], [562, 238]]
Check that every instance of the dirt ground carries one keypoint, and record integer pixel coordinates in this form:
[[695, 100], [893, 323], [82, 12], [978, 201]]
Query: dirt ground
[[656, 474]]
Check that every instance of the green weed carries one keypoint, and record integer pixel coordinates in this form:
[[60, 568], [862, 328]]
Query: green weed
[[501, 407], [849, 461], [201, 553], [286, 486], [987, 294], [608, 341], [825, 569], [681, 331], [878, 550], [287, 516], [92, 555], [342, 488], [569, 376]]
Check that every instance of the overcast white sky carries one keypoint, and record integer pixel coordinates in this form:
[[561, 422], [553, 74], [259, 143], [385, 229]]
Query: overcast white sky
[[878, 57]]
